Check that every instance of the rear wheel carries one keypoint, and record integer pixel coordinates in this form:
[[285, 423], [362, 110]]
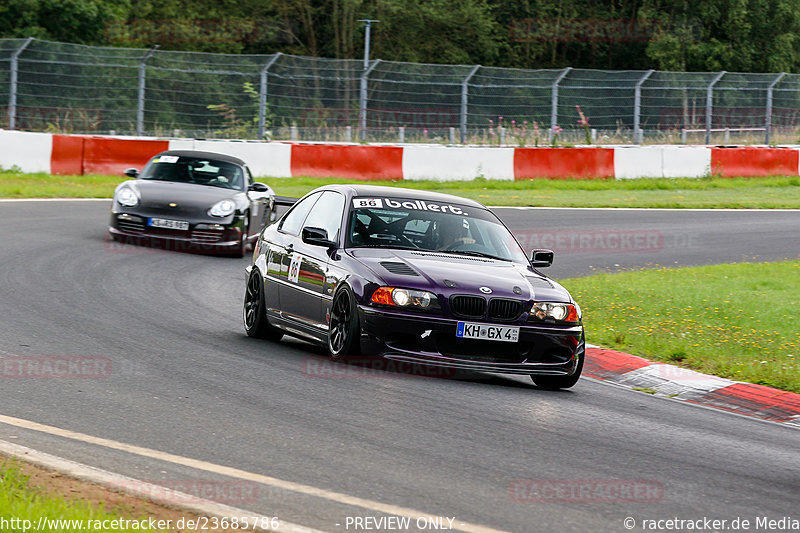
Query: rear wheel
[[255, 310], [344, 331], [560, 382]]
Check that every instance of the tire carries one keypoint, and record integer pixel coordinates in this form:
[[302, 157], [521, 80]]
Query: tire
[[344, 331], [560, 382], [254, 311]]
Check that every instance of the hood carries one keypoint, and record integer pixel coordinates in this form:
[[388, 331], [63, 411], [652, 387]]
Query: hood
[[448, 274], [190, 198]]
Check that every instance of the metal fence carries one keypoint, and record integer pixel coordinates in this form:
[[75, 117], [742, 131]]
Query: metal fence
[[69, 88]]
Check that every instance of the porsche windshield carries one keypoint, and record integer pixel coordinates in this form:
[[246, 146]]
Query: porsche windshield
[[430, 226], [199, 171]]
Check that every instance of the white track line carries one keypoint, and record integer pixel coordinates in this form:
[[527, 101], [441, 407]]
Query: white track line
[[197, 464], [148, 491]]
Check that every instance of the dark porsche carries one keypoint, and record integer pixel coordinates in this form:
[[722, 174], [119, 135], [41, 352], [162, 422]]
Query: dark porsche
[[193, 200], [412, 276]]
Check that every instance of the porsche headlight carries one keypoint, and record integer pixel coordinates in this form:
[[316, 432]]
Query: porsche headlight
[[403, 297], [559, 312], [222, 208], [126, 197]]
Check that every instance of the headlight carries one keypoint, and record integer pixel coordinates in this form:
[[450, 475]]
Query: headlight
[[126, 197], [222, 208], [555, 311], [403, 297]]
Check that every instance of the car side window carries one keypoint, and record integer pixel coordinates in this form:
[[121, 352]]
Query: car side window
[[327, 214], [293, 221]]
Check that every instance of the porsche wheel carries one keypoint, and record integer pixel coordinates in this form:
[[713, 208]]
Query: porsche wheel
[[255, 310], [343, 330], [560, 382]]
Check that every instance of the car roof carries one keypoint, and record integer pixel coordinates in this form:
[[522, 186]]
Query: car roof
[[205, 155], [357, 189]]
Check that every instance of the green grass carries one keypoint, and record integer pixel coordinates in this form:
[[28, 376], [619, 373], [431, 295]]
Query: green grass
[[18, 500], [766, 193], [713, 192], [737, 321]]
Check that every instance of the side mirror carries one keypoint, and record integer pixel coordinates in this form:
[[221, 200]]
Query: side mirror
[[258, 187], [132, 172], [542, 258], [317, 237]]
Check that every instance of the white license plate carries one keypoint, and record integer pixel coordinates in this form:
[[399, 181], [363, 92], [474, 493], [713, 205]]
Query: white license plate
[[168, 224], [488, 332]]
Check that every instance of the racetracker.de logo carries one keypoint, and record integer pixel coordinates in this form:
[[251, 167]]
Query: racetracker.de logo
[[371, 367], [55, 367], [594, 241], [195, 491], [586, 491]]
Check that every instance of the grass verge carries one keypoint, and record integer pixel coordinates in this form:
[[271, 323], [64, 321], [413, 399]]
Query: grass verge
[[737, 321], [713, 192], [20, 502]]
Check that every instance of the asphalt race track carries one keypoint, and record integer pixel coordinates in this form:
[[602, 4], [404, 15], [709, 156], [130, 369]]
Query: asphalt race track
[[184, 379]]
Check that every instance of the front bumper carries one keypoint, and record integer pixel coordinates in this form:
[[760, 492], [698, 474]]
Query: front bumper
[[201, 236], [542, 350]]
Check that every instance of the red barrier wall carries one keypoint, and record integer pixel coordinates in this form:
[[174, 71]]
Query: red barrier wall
[[113, 156], [754, 161], [78, 154], [351, 162], [67, 155], [530, 163]]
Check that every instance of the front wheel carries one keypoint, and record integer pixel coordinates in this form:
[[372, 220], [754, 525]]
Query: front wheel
[[344, 331], [254, 312], [560, 382]]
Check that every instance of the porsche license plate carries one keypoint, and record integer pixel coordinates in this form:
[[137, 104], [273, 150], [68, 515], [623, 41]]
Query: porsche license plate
[[488, 332], [168, 224]]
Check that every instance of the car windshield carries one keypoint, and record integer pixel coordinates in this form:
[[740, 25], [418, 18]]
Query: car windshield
[[195, 170], [430, 226]]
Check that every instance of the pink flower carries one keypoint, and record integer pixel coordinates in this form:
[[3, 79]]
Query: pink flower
[[425, 132]]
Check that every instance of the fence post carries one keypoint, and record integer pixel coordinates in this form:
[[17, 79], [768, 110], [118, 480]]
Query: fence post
[[464, 101], [554, 101], [768, 121], [12, 95], [709, 102], [637, 108], [262, 96], [140, 102], [362, 106]]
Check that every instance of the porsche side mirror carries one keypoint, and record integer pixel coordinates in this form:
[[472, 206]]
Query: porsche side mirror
[[258, 187], [542, 258], [317, 237], [132, 172]]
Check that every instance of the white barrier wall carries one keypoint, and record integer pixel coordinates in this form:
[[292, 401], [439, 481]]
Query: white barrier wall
[[264, 159], [31, 152], [450, 163], [661, 162]]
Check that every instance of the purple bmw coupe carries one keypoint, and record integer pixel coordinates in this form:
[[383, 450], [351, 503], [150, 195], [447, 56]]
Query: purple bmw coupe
[[412, 276]]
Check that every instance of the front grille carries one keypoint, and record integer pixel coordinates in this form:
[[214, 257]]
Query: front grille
[[395, 267], [130, 225], [206, 237], [502, 309], [468, 306]]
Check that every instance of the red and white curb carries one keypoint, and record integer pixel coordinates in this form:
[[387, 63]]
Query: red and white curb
[[673, 381]]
